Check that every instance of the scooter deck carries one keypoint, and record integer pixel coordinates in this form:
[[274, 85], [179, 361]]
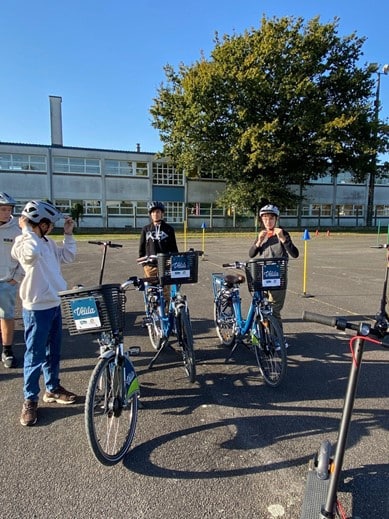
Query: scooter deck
[[315, 495]]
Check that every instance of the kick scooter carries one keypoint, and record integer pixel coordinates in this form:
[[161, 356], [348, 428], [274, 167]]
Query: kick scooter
[[320, 500]]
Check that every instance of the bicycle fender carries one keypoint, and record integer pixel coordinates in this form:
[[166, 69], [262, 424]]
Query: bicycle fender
[[107, 354], [132, 382]]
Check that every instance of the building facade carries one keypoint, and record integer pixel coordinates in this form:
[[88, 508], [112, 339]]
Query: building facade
[[114, 186]]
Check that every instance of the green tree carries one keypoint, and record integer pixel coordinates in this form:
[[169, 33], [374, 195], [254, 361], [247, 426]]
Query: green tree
[[271, 108], [77, 212]]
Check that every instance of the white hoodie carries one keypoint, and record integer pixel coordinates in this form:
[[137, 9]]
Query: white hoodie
[[9, 267], [41, 259]]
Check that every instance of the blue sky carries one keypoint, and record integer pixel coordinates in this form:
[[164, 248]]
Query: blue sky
[[106, 59]]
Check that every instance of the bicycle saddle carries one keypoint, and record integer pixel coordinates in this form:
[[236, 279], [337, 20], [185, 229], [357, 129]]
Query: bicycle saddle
[[234, 279]]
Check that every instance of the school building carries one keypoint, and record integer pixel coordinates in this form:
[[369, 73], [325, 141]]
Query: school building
[[114, 187]]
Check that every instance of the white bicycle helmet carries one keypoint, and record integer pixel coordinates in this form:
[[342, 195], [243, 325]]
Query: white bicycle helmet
[[36, 210], [155, 205], [269, 209], [6, 199]]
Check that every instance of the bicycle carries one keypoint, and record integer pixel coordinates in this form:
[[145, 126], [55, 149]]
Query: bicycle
[[259, 330], [320, 499], [111, 404], [174, 269]]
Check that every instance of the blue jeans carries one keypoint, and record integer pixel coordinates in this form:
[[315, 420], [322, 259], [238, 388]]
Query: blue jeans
[[42, 335]]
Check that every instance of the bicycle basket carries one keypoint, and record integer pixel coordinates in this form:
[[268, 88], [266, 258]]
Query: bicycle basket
[[93, 309], [266, 274], [178, 267]]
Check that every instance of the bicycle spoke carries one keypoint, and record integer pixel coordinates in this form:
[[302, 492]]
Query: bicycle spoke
[[269, 346], [185, 339], [110, 413], [154, 327], [224, 318]]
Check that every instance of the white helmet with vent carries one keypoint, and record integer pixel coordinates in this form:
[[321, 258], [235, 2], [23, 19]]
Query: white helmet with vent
[[269, 209], [36, 210]]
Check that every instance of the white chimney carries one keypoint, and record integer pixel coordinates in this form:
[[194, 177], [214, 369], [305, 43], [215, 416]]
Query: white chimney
[[56, 120]]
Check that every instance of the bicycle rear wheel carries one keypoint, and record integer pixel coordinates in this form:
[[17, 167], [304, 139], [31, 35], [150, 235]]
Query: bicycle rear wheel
[[224, 317], [270, 350], [111, 410], [185, 340]]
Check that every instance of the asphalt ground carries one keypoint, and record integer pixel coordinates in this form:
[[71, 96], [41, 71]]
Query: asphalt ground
[[227, 445]]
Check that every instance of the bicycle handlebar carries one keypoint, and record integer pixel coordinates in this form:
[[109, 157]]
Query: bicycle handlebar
[[340, 323], [106, 244], [152, 259], [234, 265], [243, 264]]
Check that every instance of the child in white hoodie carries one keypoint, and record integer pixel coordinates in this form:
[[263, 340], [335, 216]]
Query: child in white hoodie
[[11, 274], [41, 260]]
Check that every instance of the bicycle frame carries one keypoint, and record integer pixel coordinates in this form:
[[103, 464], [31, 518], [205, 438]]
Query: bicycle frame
[[259, 306], [173, 270], [167, 317], [244, 324]]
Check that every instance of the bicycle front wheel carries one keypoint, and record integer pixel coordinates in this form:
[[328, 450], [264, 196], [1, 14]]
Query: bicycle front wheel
[[269, 348], [185, 340], [110, 413], [224, 317], [154, 326]]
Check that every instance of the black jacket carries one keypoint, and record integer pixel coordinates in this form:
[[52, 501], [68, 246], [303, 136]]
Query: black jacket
[[157, 238]]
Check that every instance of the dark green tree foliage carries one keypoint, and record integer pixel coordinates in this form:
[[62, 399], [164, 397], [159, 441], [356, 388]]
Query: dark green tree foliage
[[271, 108], [77, 212]]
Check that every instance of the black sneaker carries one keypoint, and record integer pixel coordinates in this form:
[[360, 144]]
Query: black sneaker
[[7, 358], [29, 412]]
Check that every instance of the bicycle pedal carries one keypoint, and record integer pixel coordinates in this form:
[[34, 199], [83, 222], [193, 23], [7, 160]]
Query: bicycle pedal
[[133, 351]]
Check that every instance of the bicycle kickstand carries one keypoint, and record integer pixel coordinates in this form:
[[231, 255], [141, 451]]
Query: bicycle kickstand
[[230, 354], [163, 344]]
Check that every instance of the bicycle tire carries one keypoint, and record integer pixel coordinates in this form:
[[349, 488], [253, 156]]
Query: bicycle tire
[[154, 326], [270, 350], [110, 425], [224, 318], [185, 340]]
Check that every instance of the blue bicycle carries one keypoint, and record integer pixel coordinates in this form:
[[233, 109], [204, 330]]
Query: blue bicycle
[[164, 320], [259, 331]]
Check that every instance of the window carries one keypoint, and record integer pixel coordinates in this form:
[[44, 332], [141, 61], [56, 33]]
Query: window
[[382, 210], [317, 210], [92, 207], [164, 173], [289, 211], [174, 212], [205, 209], [327, 179], [346, 178], [141, 208], [120, 208], [349, 210], [65, 205], [89, 206], [118, 167], [127, 208], [21, 162], [73, 165], [141, 169]]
